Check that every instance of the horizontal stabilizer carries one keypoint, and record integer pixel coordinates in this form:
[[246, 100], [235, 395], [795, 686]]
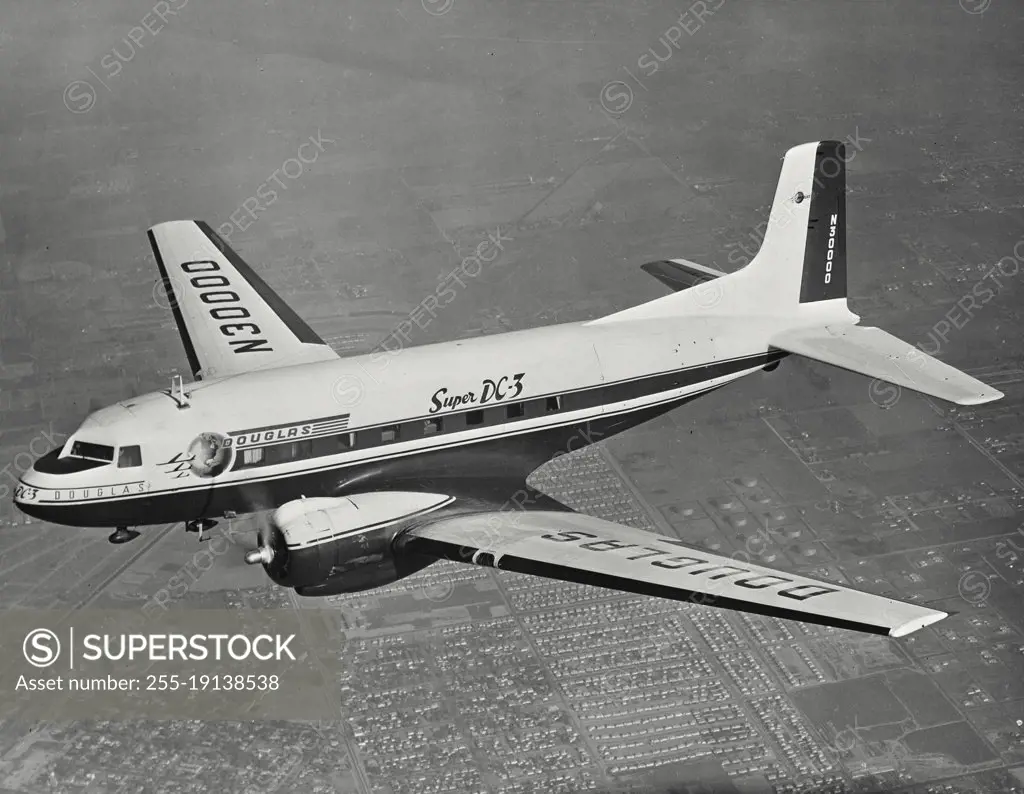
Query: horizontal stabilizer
[[579, 548], [678, 274], [877, 354]]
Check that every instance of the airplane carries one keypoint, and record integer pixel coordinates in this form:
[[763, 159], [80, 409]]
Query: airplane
[[374, 472]]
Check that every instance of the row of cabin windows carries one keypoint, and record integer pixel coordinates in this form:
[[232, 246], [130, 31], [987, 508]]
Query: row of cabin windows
[[407, 431]]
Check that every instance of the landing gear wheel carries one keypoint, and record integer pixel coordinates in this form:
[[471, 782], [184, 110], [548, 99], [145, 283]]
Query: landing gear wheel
[[122, 535], [200, 525]]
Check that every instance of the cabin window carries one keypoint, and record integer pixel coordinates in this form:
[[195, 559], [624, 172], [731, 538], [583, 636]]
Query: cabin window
[[474, 418], [277, 453], [389, 434], [100, 452], [128, 457], [552, 404], [432, 426], [515, 411], [252, 457], [293, 450], [331, 445]]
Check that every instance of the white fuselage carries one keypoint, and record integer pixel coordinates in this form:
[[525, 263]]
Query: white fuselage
[[283, 423]]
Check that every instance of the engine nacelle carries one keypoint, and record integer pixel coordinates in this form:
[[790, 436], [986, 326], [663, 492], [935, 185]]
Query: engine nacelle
[[322, 546]]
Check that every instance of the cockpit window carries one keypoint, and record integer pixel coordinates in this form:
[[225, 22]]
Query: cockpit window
[[100, 452], [129, 456]]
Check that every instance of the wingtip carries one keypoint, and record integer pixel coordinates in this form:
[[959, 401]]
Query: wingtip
[[988, 395], [932, 616]]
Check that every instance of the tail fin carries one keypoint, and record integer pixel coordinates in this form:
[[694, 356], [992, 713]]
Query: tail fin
[[833, 338], [796, 287], [800, 269], [806, 234]]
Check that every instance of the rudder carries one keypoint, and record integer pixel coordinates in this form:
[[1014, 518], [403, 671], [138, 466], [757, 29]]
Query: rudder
[[824, 264]]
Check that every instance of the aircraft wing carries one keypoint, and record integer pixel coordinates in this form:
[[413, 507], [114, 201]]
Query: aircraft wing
[[579, 548], [230, 321]]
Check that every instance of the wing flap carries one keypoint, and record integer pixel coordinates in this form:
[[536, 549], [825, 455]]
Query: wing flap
[[229, 319], [578, 548], [877, 354]]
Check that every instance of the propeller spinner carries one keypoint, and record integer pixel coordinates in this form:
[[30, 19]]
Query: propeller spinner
[[263, 554]]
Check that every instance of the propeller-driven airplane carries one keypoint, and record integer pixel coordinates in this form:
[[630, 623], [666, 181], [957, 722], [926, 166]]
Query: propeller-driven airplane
[[426, 463]]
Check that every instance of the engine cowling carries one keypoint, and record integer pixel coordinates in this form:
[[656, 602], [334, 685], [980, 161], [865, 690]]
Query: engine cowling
[[326, 545]]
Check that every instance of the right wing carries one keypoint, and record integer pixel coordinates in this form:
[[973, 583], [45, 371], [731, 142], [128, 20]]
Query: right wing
[[877, 354], [579, 548], [229, 320]]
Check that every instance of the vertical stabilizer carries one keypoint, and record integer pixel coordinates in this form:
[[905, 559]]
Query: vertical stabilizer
[[802, 261], [800, 270]]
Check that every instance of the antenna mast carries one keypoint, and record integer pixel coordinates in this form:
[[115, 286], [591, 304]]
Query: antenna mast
[[177, 392]]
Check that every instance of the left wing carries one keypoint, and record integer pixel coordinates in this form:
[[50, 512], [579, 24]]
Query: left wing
[[579, 548], [229, 320]]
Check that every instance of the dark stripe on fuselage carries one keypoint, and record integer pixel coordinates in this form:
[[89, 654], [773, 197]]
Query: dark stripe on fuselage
[[179, 320], [285, 312], [577, 400]]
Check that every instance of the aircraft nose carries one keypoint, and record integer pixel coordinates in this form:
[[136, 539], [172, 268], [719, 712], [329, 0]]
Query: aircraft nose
[[26, 495], [35, 484], [33, 494]]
